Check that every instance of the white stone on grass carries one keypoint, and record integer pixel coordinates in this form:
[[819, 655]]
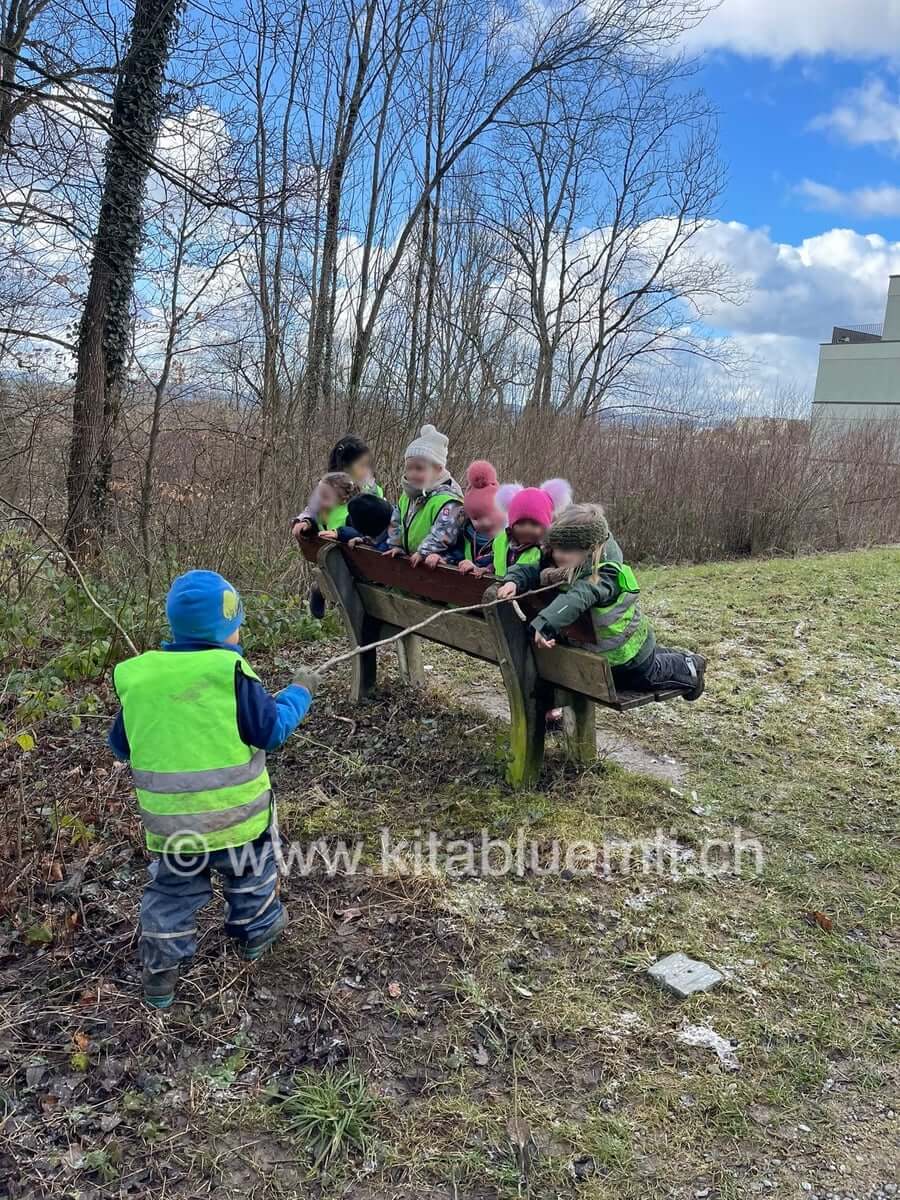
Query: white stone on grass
[[684, 976]]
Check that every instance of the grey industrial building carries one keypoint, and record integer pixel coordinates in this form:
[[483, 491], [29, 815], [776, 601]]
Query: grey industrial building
[[859, 372]]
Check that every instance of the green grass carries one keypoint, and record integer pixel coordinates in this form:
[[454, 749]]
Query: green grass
[[505, 1038], [330, 1115]]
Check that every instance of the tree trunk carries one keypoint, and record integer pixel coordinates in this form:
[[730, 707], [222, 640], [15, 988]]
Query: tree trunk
[[104, 334]]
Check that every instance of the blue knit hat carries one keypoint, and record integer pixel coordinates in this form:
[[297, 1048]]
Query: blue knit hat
[[204, 607]]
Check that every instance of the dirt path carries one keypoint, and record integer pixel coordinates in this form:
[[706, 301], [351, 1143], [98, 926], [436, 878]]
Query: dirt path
[[619, 749]]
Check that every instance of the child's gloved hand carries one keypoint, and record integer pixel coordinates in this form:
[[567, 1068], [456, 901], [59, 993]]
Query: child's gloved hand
[[306, 677], [506, 591], [301, 529]]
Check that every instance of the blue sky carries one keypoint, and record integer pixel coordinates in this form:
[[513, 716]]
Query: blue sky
[[808, 97], [770, 142]]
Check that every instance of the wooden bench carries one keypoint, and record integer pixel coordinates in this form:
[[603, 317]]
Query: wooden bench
[[379, 596]]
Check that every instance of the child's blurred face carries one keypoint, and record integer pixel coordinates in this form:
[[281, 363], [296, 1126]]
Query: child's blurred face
[[361, 469], [489, 524], [421, 473], [569, 558], [328, 497], [528, 533]]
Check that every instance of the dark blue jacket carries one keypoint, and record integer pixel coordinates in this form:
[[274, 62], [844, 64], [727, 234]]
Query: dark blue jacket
[[483, 544], [347, 533], [264, 721]]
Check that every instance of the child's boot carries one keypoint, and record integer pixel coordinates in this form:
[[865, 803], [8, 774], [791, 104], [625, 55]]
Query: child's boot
[[256, 947], [316, 602], [696, 664], [159, 986]]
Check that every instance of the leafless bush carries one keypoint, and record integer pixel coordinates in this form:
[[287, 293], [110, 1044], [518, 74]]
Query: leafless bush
[[676, 487]]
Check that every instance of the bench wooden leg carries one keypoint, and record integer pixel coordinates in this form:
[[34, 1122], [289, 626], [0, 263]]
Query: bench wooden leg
[[409, 659], [343, 590], [579, 725], [527, 696]]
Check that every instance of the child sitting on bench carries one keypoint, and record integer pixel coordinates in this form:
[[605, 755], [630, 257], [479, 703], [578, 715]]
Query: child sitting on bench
[[575, 558], [529, 512], [368, 518], [481, 520], [424, 523], [350, 455]]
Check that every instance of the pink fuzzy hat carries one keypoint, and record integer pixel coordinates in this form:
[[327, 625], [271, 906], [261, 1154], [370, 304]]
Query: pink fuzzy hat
[[535, 504], [482, 485]]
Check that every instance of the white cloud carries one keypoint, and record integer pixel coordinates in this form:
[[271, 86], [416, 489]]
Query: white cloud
[[795, 294], [881, 201], [781, 28], [867, 116]]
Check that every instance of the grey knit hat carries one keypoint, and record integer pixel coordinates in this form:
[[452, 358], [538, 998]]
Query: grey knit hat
[[579, 527]]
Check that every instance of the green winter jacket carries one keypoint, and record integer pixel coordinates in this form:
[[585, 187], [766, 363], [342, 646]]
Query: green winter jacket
[[631, 645]]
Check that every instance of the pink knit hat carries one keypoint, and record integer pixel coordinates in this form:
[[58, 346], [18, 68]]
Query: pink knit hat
[[531, 504], [534, 504], [482, 485]]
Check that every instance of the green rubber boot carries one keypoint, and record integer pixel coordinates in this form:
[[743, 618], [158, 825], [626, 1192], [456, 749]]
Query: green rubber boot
[[159, 987], [256, 947]]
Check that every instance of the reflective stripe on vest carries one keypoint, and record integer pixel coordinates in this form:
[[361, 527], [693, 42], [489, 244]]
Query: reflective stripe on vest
[[200, 781], [170, 825], [199, 786], [620, 627], [501, 554], [414, 529]]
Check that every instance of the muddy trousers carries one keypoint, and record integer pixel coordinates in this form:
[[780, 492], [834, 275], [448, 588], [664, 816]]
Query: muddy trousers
[[664, 668], [179, 886]]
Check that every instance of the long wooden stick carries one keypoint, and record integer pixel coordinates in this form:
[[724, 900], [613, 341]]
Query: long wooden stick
[[443, 612], [74, 565]]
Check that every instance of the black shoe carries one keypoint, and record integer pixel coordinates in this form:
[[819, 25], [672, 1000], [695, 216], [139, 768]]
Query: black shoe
[[316, 603], [256, 947], [159, 986], [699, 664]]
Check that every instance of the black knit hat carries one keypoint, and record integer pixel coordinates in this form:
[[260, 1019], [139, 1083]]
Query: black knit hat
[[369, 514], [579, 527]]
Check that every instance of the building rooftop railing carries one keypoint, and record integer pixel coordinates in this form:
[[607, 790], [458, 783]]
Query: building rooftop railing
[[844, 334]]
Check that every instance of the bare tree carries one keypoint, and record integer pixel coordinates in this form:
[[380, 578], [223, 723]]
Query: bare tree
[[607, 180]]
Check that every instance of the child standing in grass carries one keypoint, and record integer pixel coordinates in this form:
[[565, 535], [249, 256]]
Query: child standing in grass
[[195, 723], [575, 558], [424, 523]]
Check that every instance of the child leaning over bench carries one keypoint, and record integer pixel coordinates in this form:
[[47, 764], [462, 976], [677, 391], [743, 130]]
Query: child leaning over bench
[[574, 559], [424, 523], [195, 724], [368, 518]]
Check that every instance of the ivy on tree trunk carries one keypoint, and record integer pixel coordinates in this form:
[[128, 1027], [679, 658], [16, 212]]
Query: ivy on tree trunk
[[105, 330]]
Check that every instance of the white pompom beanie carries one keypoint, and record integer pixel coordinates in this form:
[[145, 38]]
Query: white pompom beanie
[[431, 445]]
